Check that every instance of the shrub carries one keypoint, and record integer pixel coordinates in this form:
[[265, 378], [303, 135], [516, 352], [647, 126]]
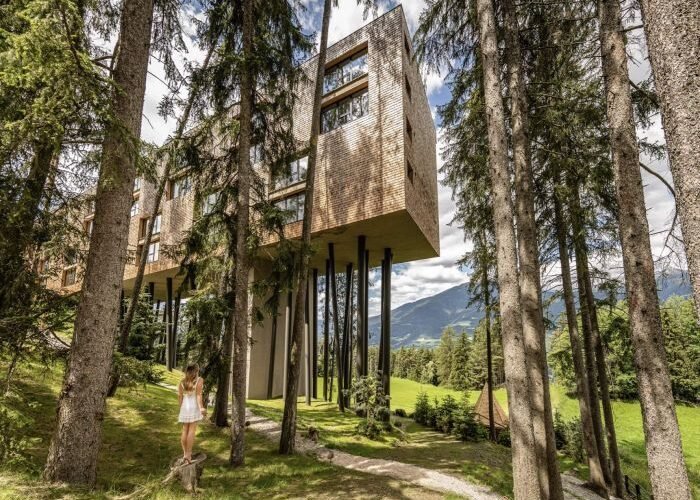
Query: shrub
[[400, 412], [569, 438], [422, 409], [503, 438], [12, 444], [433, 414], [134, 372], [466, 427], [373, 404], [445, 413]]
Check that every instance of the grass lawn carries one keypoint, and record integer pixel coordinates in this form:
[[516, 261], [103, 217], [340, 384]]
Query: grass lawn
[[483, 461], [141, 437]]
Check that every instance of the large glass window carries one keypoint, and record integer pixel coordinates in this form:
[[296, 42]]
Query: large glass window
[[296, 172], [347, 110], [180, 187], [294, 206], [156, 225], [345, 72], [134, 208]]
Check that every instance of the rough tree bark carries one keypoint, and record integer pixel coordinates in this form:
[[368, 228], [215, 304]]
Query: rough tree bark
[[581, 256], [220, 417], [165, 177], [242, 270], [489, 358], [667, 470], [289, 418], [525, 479], [76, 442], [672, 29], [596, 477], [530, 289]]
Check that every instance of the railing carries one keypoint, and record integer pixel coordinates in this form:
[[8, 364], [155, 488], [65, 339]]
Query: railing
[[634, 490]]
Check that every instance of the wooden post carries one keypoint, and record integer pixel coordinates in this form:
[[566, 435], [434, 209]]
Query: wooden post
[[314, 338], [169, 324], [326, 329]]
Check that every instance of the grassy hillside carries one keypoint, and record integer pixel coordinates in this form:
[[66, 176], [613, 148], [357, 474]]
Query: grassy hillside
[[628, 420], [141, 437]]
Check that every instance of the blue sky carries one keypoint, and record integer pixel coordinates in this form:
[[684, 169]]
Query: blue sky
[[419, 279]]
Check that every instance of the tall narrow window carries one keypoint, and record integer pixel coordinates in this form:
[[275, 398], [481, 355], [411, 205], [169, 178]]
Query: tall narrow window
[[156, 225], [407, 45], [409, 130], [153, 252], [409, 171], [408, 87], [137, 184], [70, 276], [209, 203], [134, 208]]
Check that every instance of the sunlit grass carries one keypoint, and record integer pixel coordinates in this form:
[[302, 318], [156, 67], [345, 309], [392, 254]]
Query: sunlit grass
[[141, 437]]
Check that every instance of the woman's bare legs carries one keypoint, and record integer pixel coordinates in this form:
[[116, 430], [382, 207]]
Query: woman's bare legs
[[183, 439], [191, 429]]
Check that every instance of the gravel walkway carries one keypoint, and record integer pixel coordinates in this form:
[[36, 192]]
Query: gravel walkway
[[418, 476]]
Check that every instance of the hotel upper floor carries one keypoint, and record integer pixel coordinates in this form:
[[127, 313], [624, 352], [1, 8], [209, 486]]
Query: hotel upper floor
[[376, 173]]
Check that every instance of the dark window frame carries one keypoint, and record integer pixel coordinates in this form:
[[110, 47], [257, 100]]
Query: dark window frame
[[349, 103]]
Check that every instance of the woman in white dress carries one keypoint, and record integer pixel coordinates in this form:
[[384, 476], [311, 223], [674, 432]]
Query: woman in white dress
[[192, 409]]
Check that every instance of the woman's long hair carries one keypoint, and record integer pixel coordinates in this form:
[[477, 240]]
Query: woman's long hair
[[191, 373]]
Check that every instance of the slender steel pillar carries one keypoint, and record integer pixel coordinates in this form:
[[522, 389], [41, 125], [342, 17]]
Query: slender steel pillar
[[385, 347], [314, 338], [361, 316], [366, 332], [121, 306], [169, 324], [273, 347], [287, 343], [326, 329], [347, 333], [176, 317], [336, 328], [307, 346]]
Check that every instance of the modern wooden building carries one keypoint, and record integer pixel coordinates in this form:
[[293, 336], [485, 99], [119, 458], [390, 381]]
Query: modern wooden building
[[376, 192]]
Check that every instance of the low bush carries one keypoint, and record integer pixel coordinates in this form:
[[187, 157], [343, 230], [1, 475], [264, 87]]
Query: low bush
[[445, 414], [422, 409], [466, 427], [373, 405], [503, 438], [13, 445], [134, 372], [569, 438], [400, 412]]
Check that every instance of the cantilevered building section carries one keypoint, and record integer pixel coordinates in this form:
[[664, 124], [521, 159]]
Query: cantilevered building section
[[375, 202]]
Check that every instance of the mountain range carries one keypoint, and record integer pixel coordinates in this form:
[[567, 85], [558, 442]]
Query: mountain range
[[421, 322]]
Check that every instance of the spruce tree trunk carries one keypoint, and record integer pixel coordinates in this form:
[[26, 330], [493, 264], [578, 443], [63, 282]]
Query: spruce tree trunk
[[165, 177], [224, 376], [595, 470], [615, 469], [525, 479], [667, 470], [530, 289], [289, 418], [242, 270], [672, 29], [489, 357], [73, 451], [581, 255]]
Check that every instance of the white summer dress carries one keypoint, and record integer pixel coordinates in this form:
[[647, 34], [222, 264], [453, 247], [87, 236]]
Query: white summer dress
[[189, 410]]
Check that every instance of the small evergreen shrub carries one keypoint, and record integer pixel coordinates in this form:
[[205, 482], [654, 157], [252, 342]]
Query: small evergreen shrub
[[422, 409], [400, 412], [466, 427], [569, 437], [433, 414], [445, 414], [372, 403], [134, 372]]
